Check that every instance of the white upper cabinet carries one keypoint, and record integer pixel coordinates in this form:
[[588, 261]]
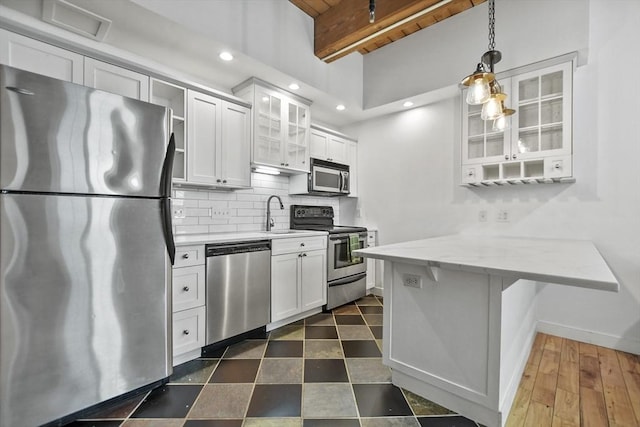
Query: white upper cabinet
[[218, 142], [114, 79], [236, 145], [326, 146], [204, 133], [281, 124], [537, 146], [42, 58]]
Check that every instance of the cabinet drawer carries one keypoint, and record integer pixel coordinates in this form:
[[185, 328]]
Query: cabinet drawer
[[297, 244], [188, 287], [189, 255], [188, 330]]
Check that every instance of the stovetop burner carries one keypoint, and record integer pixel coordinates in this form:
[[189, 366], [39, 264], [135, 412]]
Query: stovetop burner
[[318, 218]]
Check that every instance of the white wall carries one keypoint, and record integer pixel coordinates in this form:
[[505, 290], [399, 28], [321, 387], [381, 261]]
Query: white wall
[[526, 31], [409, 169]]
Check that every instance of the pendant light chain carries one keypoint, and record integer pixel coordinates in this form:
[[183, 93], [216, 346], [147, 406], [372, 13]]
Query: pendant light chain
[[492, 25]]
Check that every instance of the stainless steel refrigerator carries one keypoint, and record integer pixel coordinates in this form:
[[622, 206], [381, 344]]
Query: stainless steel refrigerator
[[85, 247]]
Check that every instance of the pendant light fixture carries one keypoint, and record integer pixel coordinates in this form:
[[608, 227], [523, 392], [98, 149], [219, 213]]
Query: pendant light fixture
[[372, 11], [483, 87]]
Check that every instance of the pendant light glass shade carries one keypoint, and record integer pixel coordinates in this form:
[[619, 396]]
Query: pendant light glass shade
[[492, 109], [479, 92], [502, 122], [479, 85]]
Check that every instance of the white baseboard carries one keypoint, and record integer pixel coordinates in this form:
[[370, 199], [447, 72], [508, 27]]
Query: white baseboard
[[376, 291], [597, 338]]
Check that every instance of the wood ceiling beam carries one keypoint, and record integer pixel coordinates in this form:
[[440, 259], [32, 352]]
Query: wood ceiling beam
[[348, 22]]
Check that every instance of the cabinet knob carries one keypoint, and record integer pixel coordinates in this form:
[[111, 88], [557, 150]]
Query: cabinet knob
[[185, 332], [506, 157], [515, 156], [186, 289], [185, 256], [304, 254], [286, 164], [224, 181], [299, 255], [302, 244], [218, 180], [281, 164]]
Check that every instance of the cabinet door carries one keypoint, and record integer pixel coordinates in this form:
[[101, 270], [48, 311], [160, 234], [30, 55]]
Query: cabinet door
[[371, 263], [297, 147], [313, 279], [337, 150], [542, 123], [42, 58], [236, 145], [318, 143], [268, 143], [114, 79], [204, 131], [352, 161], [285, 290], [480, 143]]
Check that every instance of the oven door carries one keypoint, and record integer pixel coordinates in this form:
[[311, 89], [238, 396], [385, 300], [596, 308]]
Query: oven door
[[339, 262]]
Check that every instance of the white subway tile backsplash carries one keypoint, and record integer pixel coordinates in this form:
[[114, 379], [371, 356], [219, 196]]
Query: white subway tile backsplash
[[212, 211]]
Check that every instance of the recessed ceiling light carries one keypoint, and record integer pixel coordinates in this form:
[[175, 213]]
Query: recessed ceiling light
[[294, 86], [407, 104], [340, 107], [265, 99], [226, 56]]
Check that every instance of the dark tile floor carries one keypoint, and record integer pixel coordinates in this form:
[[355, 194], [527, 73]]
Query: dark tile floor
[[324, 371]]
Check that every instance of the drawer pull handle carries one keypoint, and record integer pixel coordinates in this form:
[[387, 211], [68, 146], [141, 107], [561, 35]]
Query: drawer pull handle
[[186, 332], [186, 289], [185, 256]]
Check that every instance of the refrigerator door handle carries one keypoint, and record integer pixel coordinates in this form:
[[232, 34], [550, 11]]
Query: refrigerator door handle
[[167, 168], [165, 192], [165, 208]]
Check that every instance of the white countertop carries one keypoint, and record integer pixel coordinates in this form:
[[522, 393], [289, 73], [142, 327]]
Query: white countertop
[[195, 239], [568, 262]]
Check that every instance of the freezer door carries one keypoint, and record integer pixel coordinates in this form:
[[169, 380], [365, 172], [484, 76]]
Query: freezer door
[[84, 308], [60, 137]]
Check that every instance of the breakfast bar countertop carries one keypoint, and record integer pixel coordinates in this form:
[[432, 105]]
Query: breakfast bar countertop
[[560, 261]]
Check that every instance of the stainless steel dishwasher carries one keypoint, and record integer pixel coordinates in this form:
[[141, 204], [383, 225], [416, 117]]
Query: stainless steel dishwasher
[[238, 288]]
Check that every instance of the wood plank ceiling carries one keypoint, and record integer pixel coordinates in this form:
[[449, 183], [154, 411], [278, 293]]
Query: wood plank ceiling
[[342, 26]]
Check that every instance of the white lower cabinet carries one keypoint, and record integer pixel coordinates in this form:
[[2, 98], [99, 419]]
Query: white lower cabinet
[[188, 303], [298, 276], [372, 240]]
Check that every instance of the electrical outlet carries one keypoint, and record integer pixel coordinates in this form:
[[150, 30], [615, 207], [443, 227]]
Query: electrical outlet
[[219, 213], [412, 280], [482, 216], [178, 213], [503, 215]]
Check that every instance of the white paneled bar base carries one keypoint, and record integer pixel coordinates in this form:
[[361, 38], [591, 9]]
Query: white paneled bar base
[[458, 317]]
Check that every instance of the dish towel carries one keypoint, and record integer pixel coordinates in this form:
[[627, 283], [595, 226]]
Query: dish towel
[[354, 245]]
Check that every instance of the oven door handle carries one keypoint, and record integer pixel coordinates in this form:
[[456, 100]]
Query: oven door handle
[[347, 280], [362, 236]]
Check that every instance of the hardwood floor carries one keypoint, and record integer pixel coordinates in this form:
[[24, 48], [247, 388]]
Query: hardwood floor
[[570, 383]]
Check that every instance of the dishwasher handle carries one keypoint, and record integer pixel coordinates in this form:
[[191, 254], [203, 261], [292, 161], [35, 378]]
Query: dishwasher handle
[[219, 249]]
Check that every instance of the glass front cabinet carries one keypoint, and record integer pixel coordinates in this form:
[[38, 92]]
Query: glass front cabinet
[[536, 146], [281, 126]]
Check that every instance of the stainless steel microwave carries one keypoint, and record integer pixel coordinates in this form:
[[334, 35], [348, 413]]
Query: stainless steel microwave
[[324, 179]]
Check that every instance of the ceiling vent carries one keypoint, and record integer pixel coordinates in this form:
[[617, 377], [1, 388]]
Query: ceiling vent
[[73, 18]]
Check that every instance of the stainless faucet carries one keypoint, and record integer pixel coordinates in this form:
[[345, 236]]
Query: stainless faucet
[[270, 221]]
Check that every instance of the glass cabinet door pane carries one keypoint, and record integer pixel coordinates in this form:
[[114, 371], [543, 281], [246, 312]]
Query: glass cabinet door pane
[[528, 141], [551, 138], [528, 115], [495, 145], [528, 89], [551, 84], [476, 148], [551, 111], [476, 125]]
